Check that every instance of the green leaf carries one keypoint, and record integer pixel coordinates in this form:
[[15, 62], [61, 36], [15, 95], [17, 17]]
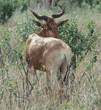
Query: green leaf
[[43, 66]]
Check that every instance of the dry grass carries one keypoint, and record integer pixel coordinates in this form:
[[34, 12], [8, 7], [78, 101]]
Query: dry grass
[[86, 95]]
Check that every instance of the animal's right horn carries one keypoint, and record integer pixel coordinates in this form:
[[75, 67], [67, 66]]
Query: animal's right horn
[[58, 15], [40, 17]]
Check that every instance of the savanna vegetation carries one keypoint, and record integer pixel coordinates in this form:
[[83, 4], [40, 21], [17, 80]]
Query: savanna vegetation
[[20, 89]]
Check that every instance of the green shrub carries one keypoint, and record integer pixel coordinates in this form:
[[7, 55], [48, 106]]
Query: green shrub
[[80, 43], [26, 28], [98, 7], [24, 5], [6, 10], [8, 7]]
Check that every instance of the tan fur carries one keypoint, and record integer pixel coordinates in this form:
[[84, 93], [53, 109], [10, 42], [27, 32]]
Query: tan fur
[[51, 52]]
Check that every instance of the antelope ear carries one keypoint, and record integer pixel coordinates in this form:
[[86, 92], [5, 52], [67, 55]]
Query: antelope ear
[[38, 23], [61, 23]]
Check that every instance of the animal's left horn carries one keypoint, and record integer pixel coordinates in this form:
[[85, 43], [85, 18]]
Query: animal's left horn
[[40, 17], [58, 15]]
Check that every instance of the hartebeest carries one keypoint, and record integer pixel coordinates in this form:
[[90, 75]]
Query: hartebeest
[[54, 53], [45, 49], [50, 28]]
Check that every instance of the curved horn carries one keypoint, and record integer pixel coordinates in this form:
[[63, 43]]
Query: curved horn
[[40, 17], [58, 15]]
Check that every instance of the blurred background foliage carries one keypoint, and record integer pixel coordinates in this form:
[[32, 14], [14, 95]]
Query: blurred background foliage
[[8, 7]]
